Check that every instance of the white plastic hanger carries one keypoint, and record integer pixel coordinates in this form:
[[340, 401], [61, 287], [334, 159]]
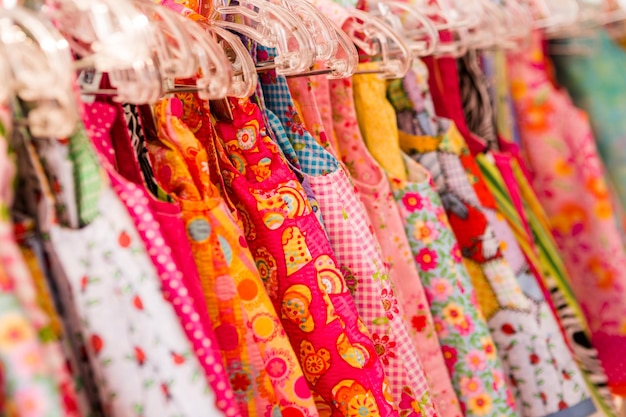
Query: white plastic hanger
[[345, 61], [172, 43], [445, 18], [244, 77]]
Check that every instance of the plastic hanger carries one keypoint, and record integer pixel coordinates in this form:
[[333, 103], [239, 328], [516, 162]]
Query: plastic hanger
[[272, 26], [214, 78], [380, 42], [552, 14], [225, 68], [112, 36], [445, 18], [417, 30], [42, 72], [106, 34], [492, 31], [317, 25], [337, 56], [519, 21], [244, 77], [172, 43], [345, 61]]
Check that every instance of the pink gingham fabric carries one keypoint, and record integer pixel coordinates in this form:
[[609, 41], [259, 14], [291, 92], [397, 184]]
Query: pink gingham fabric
[[375, 193], [359, 257]]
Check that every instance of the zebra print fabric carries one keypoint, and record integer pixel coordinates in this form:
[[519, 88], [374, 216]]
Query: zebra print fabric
[[138, 140]]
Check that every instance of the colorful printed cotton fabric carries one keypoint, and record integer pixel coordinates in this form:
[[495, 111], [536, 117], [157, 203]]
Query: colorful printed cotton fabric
[[502, 175], [267, 370], [36, 201], [596, 84], [467, 346], [177, 156], [300, 273], [106, 270], [138, 374], [569, 178], [446, 99], [104, 121], [29, 385], [359, 256], [375, 193], [529, 352], [468, 349]]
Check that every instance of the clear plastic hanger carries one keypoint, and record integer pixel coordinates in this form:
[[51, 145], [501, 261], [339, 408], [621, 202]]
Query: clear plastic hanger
[[492, 32], [337, 56], [112, 36], [213, 75], [106, 34], [317, 25], [42, 72], [417, 30], [380, 42], [244, 77], [173, 44], [446, 18], [519, 21], [272, 26], [345, 61], [553, 14]]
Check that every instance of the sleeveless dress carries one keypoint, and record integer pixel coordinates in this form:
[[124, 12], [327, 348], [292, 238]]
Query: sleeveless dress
[[245, 312], [568, 176], [463, 333], [100, 271], [104, 124], [300, 272], [351, 236]]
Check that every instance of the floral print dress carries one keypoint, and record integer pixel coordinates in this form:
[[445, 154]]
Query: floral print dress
[[108, 286], [300, 272], [467, 345], [568, 176], [468, 348]]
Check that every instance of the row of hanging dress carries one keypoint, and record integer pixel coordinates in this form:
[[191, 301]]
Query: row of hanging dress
[[355, 247]]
